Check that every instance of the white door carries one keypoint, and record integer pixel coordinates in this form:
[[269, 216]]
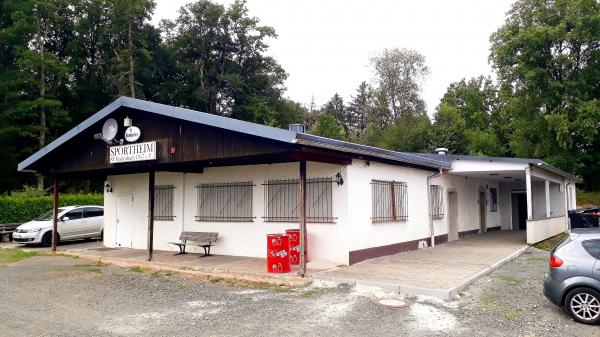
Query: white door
[[124, 221]]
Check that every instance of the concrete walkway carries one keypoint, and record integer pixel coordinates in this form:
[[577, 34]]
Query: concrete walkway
[[236, 268], [442, 271]]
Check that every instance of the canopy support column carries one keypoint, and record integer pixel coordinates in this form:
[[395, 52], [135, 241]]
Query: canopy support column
[[150, 249], [55, 216], [302, 218]]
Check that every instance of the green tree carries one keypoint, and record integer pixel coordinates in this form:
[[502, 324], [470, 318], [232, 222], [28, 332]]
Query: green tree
[[358, 109], [400, 74], [547, 56], [328, 126], [467, 119], [35, 36], [220, 66]]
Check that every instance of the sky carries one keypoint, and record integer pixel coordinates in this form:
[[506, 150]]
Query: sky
[[325, 46]]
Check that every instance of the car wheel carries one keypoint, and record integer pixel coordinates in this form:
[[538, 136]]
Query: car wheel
[[47, 239], [583, 304]]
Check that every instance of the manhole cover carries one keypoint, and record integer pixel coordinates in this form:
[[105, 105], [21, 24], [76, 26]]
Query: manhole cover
[[393, 303]]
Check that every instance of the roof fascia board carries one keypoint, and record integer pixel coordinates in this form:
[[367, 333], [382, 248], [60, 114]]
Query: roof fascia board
[[371, 151], [107, 110]]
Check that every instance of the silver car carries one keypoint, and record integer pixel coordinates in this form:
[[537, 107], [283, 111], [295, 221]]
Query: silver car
[[573, 280]]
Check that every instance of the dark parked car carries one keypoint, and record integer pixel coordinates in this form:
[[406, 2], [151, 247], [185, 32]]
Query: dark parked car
[[573, 280], [584, 217]]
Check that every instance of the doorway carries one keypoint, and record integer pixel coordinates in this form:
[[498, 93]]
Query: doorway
[[482, 209], [124, 221], [519, 211], [452, 216]]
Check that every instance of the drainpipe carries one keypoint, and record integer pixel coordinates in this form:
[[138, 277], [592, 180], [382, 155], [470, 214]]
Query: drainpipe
[[429, 205]]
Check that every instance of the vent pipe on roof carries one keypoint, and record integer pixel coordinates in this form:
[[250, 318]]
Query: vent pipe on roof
[[441, 150], [297, 128]]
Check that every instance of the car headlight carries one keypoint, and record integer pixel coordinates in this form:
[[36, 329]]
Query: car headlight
[[33, 230]]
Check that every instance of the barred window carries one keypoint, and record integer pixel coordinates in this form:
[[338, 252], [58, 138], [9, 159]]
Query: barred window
[[163, 202], [493, 199], [389, 201], [225, 202], [437, 201], [282, 200]]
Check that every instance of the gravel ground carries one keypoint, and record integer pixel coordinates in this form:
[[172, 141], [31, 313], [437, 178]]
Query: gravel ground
[[58, 295]]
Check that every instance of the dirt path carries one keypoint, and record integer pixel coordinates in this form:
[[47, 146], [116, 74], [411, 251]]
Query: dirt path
[[51, 296]]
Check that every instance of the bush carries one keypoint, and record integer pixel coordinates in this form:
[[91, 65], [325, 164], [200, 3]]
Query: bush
[[585, 199], [20, 208]]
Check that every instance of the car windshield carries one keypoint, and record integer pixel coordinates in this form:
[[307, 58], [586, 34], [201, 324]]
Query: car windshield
[[48, 215]]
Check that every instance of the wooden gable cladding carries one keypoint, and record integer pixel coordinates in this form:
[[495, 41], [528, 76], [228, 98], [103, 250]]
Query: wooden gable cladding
[[178, 142]]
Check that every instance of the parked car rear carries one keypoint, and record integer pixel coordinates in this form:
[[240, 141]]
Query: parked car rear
[[584, 217], [573, 278], [74, 222]]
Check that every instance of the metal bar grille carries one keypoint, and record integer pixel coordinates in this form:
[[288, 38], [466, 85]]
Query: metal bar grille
[[437, 201], [163, 202], [389, 201], [282, 200], [225, 202]]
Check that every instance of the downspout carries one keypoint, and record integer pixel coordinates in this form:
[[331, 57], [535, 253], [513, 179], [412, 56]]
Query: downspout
[[429, 205], [567, 204]]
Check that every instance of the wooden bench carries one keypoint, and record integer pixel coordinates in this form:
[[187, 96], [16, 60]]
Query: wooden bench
[[202, 239], [6, 230]]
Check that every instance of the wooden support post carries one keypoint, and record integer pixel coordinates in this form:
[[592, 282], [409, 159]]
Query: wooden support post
[[55, 216], [151, 176], [302, 218]]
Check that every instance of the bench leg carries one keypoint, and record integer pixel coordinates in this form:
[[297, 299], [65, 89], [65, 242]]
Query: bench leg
[[206, 251], [181, 250]]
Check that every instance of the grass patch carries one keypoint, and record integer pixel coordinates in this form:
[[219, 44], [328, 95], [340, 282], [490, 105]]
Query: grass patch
[[585, 199], [510, 279], [92, 268], [283, 289], [313, 292], [512, 314], [136, 270], [550, 243], [491, 302], [11, 255]]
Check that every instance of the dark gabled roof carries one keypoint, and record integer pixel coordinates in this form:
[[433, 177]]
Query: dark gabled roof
[[221, 122], [448, 158], [328, 143]]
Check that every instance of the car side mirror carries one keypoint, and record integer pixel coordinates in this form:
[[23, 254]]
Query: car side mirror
[[65, 218]]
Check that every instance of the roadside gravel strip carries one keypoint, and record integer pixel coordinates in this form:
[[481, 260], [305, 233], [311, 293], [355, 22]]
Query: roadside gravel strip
[[65, 296]]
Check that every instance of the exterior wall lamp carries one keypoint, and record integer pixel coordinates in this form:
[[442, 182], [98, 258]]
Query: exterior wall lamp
[[338, 179], [108, 188], [127, 122]]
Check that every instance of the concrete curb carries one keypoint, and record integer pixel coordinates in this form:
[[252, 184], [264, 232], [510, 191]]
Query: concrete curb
[[444, 294], [276, 280]]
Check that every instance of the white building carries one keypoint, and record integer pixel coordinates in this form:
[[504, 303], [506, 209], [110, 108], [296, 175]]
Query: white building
[[216, 174]]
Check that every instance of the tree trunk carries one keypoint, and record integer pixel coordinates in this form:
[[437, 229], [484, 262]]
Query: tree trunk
[[42, 132], [131, 65]]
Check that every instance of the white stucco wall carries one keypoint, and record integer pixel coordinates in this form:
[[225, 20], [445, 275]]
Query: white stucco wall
[[361, 232], [539, 230], [235, 238], [538, 198], [467, 193]]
